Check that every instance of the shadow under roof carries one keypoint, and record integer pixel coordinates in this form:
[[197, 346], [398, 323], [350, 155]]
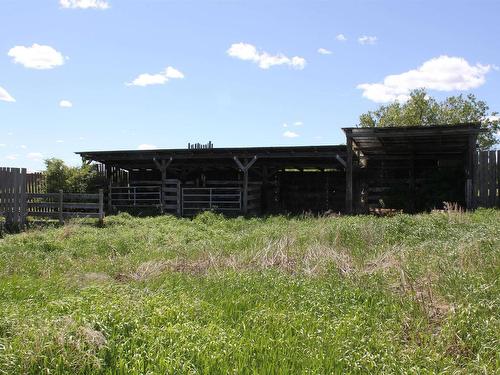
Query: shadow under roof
[[413, 140]]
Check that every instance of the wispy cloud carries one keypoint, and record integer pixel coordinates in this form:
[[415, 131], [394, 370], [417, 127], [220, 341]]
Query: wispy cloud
[[65, 104], [264, 60], [146, 146], [441, 73], [146, 79], [5, 96], [367, 39], [341, 37], [34, 156], [324, 51], [36, 57], [290, 134], [12, 157], [84, 4]]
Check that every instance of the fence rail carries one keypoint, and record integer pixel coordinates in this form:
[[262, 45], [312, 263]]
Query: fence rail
[[63, 206], [221, 199]]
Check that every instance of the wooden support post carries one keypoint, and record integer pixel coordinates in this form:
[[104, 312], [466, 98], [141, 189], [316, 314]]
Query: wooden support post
[[470, 174], [348, 176], [411, 184], [109, 179], [244, 169], [101, 207], [162, 165], [61, 207]]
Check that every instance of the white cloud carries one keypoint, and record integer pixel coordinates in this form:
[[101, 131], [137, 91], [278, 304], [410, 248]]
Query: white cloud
[[36, 57], [264, 60], [147, 79], [34, 156], [146, 146], [324, 51], [2, 145], [441, 73], [298, 123], [84, 4], [59, 141], [65, 104], [12, 157], [341, 38], [5, 96], [366, 39], [285, 125], [290, 134], [24, 147]]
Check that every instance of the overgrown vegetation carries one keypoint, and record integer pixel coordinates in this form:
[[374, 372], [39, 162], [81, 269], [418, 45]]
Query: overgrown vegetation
[[405, 294], [82, 179], [423, 110]]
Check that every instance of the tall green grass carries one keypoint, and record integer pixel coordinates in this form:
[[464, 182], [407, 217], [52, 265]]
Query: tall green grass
[[277, 295]]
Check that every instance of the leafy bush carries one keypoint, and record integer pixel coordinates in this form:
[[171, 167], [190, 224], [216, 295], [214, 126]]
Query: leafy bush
[[83, 179]]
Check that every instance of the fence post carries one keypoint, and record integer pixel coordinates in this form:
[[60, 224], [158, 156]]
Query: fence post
[[23, 207], [61, 206], [101, 206]]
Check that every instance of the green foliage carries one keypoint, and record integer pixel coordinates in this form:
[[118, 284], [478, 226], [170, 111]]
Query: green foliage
[[160, 295], [423, 110], [83, 179]]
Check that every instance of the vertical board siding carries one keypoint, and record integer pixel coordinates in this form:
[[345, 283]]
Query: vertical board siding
[[13, 195], [487, 178]]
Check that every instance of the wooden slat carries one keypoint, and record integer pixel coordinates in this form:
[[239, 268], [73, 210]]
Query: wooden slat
[[483, 178], [42, 195], [66, 215], [70, 196], [492, 178], [498, 180]]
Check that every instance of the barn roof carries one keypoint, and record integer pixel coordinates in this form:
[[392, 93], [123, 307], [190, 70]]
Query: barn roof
[[420, 141], [302, 156]]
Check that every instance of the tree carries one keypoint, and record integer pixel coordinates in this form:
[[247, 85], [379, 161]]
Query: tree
[[423, 110], [59, 176]]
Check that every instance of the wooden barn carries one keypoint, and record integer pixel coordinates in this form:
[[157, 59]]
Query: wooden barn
[[411, 169]]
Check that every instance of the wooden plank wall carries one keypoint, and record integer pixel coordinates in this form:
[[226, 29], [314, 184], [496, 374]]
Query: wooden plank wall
[[487, 179], [35, 182], [13, 195]]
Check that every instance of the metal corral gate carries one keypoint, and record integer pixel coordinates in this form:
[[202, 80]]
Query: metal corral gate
[[164, 198], [221, 199], [135, 197]]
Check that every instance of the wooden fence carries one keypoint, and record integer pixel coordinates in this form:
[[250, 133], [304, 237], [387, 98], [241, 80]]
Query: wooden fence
[[13, 195], [21, 196], [487, 179], [63, 206]]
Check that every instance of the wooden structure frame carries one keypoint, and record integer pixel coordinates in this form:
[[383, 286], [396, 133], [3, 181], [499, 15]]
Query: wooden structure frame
[[411, 150], [316, 178], [256, 171]]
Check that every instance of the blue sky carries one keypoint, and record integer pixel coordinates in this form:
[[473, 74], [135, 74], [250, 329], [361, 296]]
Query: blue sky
[[164, 73]]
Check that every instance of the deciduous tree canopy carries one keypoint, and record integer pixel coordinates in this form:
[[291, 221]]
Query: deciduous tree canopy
[[59, 176], [423, 110]]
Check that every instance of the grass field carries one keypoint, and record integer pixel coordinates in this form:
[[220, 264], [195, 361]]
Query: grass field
[[405, 294]]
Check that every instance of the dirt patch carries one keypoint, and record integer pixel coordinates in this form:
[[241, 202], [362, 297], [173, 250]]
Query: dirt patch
[[317, 257], [93, 338], [382, 263], [95, 277]]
